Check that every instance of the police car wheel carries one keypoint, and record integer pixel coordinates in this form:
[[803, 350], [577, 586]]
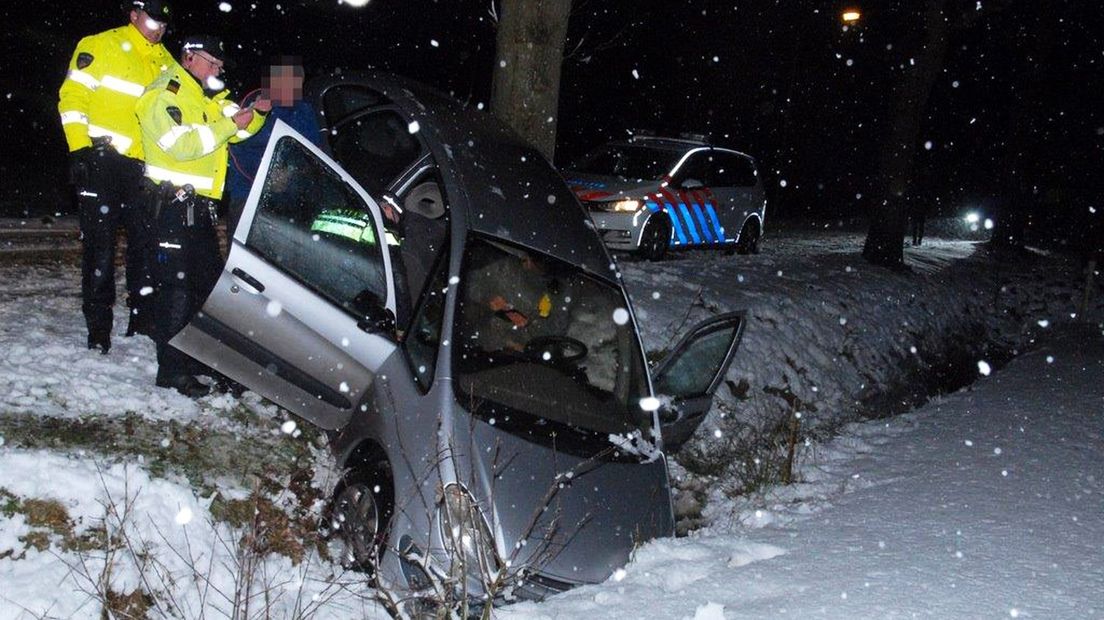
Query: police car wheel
[[749, 239], [654, 240]]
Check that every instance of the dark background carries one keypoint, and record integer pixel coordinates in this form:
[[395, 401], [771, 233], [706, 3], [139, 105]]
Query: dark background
[[771, 78]]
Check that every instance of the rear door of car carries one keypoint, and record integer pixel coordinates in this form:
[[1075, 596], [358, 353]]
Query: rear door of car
[[299, 314], [736, 189], [686, 380]]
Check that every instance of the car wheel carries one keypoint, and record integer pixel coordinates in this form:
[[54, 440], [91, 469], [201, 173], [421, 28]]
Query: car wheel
[[359, 516], [655, 240], [749, 239]]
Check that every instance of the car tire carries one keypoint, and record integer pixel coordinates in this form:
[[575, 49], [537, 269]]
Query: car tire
[[655, 239], [359, 515], [749, 239]]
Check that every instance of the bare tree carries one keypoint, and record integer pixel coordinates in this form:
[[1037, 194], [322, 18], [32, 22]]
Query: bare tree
[[528, 60], [898, 158], [940, 21]]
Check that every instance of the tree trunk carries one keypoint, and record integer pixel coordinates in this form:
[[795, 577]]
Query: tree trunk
[[888, 221], [526, 87]]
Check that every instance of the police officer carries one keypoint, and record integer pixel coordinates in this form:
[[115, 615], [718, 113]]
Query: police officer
[[187, 121], [107, 74]]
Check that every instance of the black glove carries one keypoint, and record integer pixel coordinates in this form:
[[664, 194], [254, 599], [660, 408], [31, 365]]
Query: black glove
[[80, 167]]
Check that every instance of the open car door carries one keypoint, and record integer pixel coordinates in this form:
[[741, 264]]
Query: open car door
[[303, 312], [689, 376]]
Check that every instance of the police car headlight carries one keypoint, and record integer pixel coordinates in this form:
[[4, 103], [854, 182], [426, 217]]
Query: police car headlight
[[467, 538], [625, 206]]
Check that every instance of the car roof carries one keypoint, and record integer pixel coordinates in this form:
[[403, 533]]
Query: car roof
[[497, 184]]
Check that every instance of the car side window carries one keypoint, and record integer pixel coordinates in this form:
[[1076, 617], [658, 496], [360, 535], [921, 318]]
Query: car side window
[[693, 369], [375, 148], [698, 167], [735, 170], [344, 99], [313, 225]]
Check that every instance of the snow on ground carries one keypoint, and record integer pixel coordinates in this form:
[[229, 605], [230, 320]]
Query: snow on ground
[[880, 511], [988, 503]]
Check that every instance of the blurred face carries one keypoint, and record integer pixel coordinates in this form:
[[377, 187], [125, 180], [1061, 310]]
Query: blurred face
[[285, 84], [205, 68], [150, 28]]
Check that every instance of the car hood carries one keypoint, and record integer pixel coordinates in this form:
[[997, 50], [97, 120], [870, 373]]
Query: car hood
[[598, 513], [597, 188]]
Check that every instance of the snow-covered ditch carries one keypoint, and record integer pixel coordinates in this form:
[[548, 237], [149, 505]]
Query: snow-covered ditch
[[827, 335], [831, 339]]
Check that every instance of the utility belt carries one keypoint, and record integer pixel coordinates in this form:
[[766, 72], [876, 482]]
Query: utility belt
[[171, 202]]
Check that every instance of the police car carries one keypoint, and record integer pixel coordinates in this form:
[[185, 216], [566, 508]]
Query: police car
[[649, 194]]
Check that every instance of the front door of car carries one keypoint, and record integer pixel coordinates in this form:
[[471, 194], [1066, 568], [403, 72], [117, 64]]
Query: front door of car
[[687, 379], [303, 312], [735, 190], [697, 203]]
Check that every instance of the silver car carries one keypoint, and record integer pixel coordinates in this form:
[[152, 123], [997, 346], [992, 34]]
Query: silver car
[[483, 382], [650, 194]]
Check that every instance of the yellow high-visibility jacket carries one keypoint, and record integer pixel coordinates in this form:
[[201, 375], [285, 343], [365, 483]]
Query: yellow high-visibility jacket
[[185, 133], [109, 71]]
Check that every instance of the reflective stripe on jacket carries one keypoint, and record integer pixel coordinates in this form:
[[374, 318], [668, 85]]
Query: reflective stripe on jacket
[[185, 133], [109, 71]]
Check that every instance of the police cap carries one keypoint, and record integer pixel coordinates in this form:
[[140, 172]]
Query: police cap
[[156, 9], [210, 45]]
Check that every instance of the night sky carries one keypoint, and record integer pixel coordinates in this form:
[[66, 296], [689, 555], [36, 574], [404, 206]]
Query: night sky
[[779, 80]]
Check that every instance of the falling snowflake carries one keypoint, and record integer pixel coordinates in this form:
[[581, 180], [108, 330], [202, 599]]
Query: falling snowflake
[[413, 127], [288, 427], [984, 368], [274, 308], [184, 517], [621, 316], [225, 7]]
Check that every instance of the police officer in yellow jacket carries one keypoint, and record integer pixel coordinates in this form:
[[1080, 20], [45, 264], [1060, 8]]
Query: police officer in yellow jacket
[[107, 74], [187, 122]]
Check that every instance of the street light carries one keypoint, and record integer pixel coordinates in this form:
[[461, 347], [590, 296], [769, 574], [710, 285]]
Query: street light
[[851, 16]]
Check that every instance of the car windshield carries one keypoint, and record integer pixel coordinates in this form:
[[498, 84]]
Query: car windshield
[[546, 351], [629, 161]]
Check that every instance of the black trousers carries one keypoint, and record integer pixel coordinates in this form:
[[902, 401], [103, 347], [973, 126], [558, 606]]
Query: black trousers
[[186, 265], [113, 197]]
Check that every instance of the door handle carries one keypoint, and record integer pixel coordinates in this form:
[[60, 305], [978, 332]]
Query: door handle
[[248, 279]]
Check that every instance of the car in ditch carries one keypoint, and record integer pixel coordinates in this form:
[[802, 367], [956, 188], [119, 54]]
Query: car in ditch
[[651, 194], [500, 430]]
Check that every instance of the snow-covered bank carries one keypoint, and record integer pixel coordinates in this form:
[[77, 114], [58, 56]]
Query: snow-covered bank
[[829, 334], [988, 503], [60, 511]]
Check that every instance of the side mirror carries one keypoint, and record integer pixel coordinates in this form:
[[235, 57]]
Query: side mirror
[[692, 184], [376, 318]]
